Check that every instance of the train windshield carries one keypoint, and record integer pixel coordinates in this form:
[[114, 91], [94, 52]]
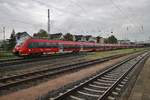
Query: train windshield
[[19, 43], [21, 39]]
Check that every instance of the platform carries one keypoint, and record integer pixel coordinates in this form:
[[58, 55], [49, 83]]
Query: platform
[[141, 89]]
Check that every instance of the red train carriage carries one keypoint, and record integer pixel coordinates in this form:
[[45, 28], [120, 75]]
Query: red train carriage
[[36, 47], [69, 46], [43, 46]]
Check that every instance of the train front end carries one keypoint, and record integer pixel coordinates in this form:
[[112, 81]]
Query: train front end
[[21, 49]]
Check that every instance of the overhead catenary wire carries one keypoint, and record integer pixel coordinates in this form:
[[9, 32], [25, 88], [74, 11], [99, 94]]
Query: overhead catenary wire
[[58, 9], [65, 11], [125, 15], [135, 18], [54, 7], [62, 10], [82, 9], [136, 25], [78, 5], [85, 12]]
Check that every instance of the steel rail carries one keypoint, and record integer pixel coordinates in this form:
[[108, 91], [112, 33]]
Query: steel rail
[[6, 83], [17, 61], [72, 92]]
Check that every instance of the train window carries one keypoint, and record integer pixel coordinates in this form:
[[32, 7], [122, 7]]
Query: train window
[[69, 46], [41, 44], [77, 46], [47, 44], [33, 45], [30, 45], [66, 46], [85, 46], [88, 46], [55, 45], [51, 45]]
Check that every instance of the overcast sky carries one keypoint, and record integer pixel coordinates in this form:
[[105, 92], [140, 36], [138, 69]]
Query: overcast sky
[[89, 17]]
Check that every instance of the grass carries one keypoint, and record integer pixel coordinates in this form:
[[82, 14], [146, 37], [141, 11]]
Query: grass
[[113, 52], [9, 55], [6, 55]]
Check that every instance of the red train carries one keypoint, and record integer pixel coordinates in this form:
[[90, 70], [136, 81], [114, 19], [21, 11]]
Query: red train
[[34, 47]]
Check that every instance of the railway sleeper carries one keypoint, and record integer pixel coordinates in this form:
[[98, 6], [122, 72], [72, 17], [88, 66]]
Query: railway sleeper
[[105, 81], [110, 79], [95, 88], [111, 98], [115, 94], [92, 92], [118, 89], [99, 87], [100, 83], [123, 83], [111, 76], [75, 98], [120, 85], [115, 73], [82, 96], [87, 96]]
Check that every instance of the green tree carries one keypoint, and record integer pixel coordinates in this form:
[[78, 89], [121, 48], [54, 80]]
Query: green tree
[[68, 37], [105, 40], [98, 39], [12, 40], [112, 39], [41, 34]]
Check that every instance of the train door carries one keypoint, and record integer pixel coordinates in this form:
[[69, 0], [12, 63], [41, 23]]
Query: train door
[[61, 48], [81, 47]]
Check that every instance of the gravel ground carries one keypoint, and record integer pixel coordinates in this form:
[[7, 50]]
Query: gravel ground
[[141, 89], [41, 65], [25, 67], [35, 91]]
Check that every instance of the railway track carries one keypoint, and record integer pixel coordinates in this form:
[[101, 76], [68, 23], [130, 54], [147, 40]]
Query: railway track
[[16, 80], [41, 65], [103, 86], [17, 61]]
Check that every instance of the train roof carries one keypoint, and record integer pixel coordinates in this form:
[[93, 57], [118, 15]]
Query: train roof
[[60, 41], [74, 42]]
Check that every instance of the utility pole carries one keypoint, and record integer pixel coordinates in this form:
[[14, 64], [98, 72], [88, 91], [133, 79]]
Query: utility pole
[[4, 37], [48, 24], [4, 33]]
